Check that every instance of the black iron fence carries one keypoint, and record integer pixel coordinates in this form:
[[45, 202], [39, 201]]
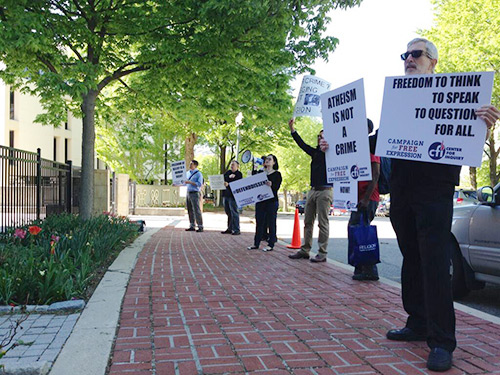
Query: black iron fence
[[32, 188]]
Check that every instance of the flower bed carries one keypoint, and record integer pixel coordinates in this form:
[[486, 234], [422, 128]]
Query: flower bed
[[60, 258]]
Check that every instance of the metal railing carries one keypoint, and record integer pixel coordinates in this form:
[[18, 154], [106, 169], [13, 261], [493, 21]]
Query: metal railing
[[32, 188]]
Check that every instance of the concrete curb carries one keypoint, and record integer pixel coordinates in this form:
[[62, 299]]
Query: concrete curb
[[88, 348]]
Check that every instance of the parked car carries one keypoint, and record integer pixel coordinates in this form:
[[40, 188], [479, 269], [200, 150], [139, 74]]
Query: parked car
[[384, 206], [463, 197], [300, 205], [476, 236]]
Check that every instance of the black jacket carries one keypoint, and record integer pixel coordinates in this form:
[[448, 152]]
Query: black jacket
[[318, 162]]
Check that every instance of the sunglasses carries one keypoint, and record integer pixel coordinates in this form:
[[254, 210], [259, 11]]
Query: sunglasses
[[416, 54]]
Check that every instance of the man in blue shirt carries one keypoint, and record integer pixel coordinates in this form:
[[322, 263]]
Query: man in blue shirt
[[194, 182]]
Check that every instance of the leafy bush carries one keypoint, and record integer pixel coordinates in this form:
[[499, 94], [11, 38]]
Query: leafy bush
[[59, 258]]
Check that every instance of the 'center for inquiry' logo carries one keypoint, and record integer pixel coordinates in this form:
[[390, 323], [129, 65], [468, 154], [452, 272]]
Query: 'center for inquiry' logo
[[437, 150]]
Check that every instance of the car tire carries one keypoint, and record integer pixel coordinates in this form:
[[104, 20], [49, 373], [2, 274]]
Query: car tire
[[458, 283]]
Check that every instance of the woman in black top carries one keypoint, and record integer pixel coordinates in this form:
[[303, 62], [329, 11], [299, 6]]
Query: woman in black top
[[266, 212]]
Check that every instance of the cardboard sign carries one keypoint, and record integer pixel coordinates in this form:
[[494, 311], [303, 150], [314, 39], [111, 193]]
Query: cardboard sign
[[431, 117], [346, 131], [251, 190], [345, 195], [217, 182], [308, 100], [178, 172]]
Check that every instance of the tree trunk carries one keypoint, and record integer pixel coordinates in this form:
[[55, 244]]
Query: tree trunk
[[88, 142], [222, 164], [473, 177], [189, 147]]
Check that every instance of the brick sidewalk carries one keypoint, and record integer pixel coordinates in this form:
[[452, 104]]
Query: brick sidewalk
[[199, 303]]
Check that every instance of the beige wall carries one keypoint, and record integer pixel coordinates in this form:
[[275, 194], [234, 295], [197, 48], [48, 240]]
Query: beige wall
[[101, 191], [29, 135], [122, 197]]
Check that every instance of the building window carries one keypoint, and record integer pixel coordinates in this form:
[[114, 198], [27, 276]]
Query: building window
[[55, 149], [12, 108], [66, 149], [11, 145], [66, 123]]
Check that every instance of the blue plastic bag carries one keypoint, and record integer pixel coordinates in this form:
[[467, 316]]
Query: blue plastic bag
[[363, 249]]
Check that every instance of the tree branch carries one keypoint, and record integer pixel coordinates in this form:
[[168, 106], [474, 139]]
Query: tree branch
[[119, 74], [47, 63]]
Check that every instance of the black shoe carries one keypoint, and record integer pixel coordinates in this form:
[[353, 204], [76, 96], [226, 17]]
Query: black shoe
[[319, 258], [190, 230], [236, 233], [199, 230], [405, 334], [299, 255], [227, 231], [253, 247], [362, 273], [439, 360]]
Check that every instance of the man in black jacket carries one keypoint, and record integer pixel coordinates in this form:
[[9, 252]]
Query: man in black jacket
[[421, 214], [230, 206], [319, 200]]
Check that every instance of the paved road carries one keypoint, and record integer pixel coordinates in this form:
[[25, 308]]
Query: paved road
[[487, 300]]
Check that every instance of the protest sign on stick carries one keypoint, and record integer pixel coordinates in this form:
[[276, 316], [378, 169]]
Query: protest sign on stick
[[431, 117], [178, 172], [346, 131], [308, 100], [345, 195], [251, 190], [217, 182]]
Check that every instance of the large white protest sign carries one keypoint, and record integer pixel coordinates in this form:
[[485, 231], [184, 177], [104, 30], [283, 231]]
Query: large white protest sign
[[217, 182], [308, 100], [178, 172], [432, 117], [345, 195], [346, 131], [251, 190]]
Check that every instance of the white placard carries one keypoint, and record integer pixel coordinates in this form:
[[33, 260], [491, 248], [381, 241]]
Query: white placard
[[346, 131], [431, 117], [251, 190], [178, 172], [345, 195], [217, 182], [308, 100]]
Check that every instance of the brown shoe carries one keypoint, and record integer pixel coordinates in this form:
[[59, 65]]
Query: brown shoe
[[299, 255], [319, 258]]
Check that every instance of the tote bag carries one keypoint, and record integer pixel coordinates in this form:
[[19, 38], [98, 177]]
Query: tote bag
[[363, 247]]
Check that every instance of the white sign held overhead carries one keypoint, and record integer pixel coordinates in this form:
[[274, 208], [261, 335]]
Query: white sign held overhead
[[217, 182], [308, 100], [345, 195], [178, 172], [346, 131], [251, 190], [431, 117]]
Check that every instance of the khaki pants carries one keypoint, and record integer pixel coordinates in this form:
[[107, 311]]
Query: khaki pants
[[318, 203]]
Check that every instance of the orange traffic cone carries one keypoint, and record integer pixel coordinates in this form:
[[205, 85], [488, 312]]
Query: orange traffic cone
[[296, 232]]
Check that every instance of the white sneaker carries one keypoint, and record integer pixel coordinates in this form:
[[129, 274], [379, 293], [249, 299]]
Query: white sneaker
[[268, 248]]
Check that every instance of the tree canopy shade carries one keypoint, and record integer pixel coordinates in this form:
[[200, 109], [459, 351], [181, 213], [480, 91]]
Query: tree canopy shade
[[68, 51], [466, 34]]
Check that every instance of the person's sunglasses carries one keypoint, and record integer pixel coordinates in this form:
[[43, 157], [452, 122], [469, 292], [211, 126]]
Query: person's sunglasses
[[415, 53]]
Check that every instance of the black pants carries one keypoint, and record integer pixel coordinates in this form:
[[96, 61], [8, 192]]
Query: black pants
[[266, 213], [421, 219]]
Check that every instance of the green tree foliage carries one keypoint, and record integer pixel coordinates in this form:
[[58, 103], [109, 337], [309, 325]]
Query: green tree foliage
[[466, 34], [67, 52]]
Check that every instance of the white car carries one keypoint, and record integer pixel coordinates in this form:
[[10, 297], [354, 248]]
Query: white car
[[476, 252]]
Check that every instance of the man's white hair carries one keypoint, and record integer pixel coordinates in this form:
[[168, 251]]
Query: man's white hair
[[429, 46]]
